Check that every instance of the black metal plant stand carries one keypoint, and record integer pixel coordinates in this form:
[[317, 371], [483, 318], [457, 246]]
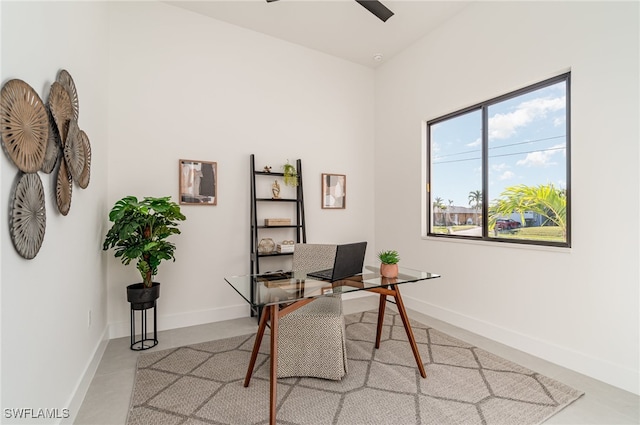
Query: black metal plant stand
[[144, 343]]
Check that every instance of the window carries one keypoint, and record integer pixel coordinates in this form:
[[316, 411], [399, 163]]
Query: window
[[499, 170]]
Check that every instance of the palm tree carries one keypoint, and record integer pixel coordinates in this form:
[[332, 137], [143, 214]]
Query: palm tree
[[449, 209], [475, 201], [437, 204], [544, 200]]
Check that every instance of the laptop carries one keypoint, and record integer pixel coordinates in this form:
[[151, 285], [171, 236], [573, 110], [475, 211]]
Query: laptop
[[348, 262]]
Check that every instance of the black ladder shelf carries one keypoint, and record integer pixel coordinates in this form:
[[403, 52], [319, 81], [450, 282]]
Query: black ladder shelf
[[260, 231]]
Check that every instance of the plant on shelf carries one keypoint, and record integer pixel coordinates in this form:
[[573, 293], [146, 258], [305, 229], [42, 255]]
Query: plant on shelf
[[389, 263], [290, 174], [139, 232]]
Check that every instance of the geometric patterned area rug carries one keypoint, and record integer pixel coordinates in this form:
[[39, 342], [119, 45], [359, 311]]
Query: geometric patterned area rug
[[203, 384]]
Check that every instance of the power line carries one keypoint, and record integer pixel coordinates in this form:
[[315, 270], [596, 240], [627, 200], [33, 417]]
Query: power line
[[499, 156], [503, 146]]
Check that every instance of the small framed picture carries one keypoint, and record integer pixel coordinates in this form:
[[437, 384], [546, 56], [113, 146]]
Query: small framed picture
[[334, 191], [198, 182]]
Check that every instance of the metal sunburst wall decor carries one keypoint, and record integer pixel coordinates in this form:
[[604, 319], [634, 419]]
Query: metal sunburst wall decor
[[28, 217], [38, 136], [25, 126]]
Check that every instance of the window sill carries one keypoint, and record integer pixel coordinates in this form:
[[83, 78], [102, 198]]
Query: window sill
[[499, 244]]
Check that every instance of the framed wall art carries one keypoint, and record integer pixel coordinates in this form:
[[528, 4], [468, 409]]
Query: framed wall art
[[198, 182], [334, 191]]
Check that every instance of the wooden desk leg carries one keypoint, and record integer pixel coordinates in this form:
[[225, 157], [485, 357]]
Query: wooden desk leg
[[273, 379], [256, 345], [407, 328], [383, 304]]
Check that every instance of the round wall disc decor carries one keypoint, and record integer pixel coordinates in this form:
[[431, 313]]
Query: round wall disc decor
[[65, 79], [74, 153], [60, 105], [25, 127], [63, 189], [28, 217], [83, 181], [53, 146]]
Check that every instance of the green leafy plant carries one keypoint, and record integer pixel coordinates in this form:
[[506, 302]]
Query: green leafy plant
[[389, 257], [290, 174], [139, 232], [545, 200]]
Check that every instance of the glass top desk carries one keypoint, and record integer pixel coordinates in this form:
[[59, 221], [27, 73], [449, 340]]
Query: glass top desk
[[277, 294]]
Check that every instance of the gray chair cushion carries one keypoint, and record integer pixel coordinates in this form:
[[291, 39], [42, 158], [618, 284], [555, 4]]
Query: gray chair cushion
[[311, 339]]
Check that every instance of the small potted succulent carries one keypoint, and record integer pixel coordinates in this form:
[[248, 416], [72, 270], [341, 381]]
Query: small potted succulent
[[389, 263]]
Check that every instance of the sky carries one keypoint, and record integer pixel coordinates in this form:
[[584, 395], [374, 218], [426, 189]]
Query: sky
[[526, 144]]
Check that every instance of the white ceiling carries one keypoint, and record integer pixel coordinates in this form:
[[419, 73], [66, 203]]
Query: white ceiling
[[341, 28]]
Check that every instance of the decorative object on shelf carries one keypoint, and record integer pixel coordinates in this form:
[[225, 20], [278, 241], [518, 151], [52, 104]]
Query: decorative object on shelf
[[64, 187], [52, 152], [266, 246], [267, 169], [277, 221], [275, 190], [290, 175], [25, 127], [64, 78], [286, 246], [61, 109], [334, 191], [198, 182], [389, 263], [27, 219]]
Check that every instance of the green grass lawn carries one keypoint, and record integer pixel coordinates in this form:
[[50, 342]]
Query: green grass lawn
[[545, 233]]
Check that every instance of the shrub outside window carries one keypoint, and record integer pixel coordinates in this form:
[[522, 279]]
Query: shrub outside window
[[500, 170]]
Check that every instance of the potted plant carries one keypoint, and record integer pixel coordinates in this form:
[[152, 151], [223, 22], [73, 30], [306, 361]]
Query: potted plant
[[389, 263], [139, 233], [290, 174]]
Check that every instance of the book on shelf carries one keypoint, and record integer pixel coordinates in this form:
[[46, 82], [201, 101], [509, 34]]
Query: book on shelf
[[277, 221]]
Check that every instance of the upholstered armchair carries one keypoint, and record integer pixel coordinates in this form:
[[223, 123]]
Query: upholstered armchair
[[311, 339]]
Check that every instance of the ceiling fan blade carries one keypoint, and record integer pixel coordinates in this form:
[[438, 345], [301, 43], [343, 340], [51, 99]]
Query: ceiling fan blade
[[375, 7]]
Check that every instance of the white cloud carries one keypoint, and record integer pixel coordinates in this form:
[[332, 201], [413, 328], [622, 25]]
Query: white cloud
[[541, 158], [475, 143], [499, 167], [502, 126], [507, 175]]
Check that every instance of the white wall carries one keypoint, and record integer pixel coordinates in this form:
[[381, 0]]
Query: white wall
[[183, 86], [576, 307], [158, 83], [47, 343]]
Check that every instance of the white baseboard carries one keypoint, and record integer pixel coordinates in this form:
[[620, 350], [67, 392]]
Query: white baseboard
[[191, 318], [83, 384], [602, 370]]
